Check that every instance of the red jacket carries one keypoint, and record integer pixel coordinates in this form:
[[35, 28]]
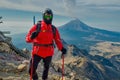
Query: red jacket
[[45, 36]]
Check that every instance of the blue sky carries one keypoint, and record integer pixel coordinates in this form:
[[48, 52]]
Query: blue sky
[[104, 14]]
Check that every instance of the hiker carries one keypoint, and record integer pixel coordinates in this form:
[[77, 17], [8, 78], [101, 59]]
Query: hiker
[[43, 35]]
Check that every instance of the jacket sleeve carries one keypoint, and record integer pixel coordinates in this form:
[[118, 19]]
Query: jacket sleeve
[[58, 40], [28, 39]]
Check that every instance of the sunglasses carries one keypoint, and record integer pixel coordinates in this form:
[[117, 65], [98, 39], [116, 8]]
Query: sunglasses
[[46, 16]]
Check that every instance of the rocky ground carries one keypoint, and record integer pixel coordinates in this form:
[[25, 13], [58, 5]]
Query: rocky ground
[[15, 67], [79, 65], [106, 49]]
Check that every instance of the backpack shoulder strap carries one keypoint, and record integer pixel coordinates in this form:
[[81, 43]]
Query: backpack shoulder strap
[[54, 34], [38, 26], [54, 30]]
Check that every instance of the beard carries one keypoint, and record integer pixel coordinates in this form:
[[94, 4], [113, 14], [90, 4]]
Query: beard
[[48, 21]]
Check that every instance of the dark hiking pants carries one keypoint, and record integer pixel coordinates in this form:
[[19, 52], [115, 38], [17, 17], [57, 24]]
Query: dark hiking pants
[[34, 65]]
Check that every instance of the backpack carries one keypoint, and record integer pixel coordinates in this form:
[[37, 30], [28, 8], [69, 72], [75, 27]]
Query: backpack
[[38, 29]]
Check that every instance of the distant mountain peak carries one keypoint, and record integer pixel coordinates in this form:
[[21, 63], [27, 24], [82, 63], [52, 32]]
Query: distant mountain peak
[[76, 20], [78, 25]]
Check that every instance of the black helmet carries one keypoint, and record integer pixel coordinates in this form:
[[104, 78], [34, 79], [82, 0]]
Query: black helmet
[[48, 11]]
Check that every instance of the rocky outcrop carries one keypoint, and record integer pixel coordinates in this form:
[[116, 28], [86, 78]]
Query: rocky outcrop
[[83, 66], [7, 41], [106, 49], [108, 54], [4, 38]]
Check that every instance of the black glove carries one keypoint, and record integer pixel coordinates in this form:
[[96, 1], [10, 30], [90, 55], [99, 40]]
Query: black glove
[[34, 35], [64, 51]]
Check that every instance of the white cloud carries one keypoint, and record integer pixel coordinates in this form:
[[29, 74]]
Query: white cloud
[[30, 5], [62, 6], [100, 10]]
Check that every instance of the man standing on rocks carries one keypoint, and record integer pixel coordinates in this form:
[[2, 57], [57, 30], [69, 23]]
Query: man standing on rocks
[[43, 35]]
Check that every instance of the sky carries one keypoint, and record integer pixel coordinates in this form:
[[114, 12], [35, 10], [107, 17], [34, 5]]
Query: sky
[[103, 14]]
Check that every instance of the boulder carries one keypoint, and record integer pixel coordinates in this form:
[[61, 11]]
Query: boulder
[[22, 67]]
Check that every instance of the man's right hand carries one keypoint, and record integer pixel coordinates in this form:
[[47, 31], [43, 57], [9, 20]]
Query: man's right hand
[[64, 51], [34, 35]]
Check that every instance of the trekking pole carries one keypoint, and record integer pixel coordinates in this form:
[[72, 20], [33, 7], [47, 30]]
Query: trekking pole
[[62, 67], [33, 20], [31, 66]]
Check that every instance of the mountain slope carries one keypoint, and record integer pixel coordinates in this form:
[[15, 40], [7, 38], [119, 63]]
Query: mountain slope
[[84, 36], [106, 49], [87, 67]]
